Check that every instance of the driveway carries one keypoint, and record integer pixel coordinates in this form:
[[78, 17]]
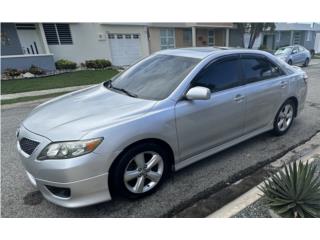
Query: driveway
[[20, 199]]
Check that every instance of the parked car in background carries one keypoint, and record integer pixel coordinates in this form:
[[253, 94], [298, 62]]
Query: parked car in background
[[164, 113], [294, 55]]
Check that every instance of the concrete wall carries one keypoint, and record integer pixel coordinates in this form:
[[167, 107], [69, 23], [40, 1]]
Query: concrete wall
[[154, 39], [23, 62], [235, 38], [311, 43], [10, 44], [179, 38], [284, 39], [220, 37], [87, 44]]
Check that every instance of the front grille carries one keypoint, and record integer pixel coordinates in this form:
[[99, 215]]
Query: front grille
[[28, 145]]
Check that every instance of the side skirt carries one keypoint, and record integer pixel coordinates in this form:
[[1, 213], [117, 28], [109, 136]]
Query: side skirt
[[219, 148]]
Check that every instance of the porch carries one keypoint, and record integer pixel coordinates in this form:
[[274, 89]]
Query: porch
[[24, 45], [181, 35]]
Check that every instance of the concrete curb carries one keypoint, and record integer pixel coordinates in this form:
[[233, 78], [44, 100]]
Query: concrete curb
[[252, 195], [42, 92]]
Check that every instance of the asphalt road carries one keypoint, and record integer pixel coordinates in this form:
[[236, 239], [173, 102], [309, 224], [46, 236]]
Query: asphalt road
[[20, 199]]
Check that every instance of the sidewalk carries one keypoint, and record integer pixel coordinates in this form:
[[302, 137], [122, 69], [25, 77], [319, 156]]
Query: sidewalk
[[42, 92], [314, 61], [251, 204]]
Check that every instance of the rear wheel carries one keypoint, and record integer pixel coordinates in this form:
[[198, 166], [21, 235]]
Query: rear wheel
[[306, 62], [140, 170], [284, 118]]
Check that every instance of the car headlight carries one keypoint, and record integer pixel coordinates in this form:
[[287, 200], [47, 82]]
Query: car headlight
[[63, 150]]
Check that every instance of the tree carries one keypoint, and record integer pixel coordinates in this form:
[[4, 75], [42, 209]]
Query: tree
[[254, 29]]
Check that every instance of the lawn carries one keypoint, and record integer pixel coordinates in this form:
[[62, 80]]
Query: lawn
[[316, 56], [78, 78]]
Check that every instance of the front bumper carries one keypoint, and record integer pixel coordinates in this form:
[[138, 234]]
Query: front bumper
[[84, 178]]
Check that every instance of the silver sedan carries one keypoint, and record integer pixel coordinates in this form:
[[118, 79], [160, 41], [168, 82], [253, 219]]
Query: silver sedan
[[294, 55], [171, 109]]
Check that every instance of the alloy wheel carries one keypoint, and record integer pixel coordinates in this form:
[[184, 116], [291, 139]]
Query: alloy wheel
[[143, 172], [285, 117]]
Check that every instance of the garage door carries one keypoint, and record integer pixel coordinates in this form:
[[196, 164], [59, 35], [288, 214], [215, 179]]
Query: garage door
[[125, 48]]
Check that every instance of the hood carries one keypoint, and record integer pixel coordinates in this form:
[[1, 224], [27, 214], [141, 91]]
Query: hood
[[71, 116], [284, 55]]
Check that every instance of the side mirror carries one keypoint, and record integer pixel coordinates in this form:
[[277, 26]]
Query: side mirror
[[198, 93]]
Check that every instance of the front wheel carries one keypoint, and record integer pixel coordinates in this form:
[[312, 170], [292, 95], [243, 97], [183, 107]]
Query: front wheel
[[290, 62], [140, 170], [284, 118]]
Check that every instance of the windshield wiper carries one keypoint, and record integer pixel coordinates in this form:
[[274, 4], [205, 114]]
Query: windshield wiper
[[109, 85]]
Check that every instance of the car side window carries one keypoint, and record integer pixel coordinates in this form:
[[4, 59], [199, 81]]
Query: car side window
[[295, 50], [219, 75], [258, 69]]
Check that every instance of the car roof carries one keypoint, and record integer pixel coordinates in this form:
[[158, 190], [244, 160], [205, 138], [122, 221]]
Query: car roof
[[203, 52]]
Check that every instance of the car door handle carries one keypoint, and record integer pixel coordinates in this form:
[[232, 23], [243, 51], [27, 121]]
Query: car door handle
[[283, 84], [238, 98]]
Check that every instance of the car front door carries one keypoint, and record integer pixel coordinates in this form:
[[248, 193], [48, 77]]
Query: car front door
[[204, 124], [265, 90]]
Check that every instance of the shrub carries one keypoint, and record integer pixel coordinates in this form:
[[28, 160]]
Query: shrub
[[312, 52], [98, 63], [294, 192], [65, 64], [36, 70], [12, 72]]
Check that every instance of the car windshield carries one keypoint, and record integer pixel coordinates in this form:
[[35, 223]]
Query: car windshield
[[155, 77], [284, 50]]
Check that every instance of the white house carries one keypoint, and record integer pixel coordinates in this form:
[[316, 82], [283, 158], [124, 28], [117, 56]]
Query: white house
[[41, 44]]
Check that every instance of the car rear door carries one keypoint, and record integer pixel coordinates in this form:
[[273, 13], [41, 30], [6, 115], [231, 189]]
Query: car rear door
[[204, 124], [296, 55], [265, 90]]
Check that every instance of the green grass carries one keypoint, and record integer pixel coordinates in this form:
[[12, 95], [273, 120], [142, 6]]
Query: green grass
[[316, 56], [78, 78], [27, 99]]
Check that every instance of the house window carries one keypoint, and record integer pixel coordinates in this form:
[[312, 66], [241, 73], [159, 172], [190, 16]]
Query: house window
[[119, 36], [210, 38], [308, 36], [57, 34], [167, 38], [111, 36], [187, 37], [135, 36], [128, 36]]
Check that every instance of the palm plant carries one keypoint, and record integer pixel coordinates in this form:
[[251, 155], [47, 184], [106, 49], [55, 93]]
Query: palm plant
[[294, 192]]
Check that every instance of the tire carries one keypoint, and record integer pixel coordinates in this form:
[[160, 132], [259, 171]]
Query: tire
[[290, 62], [284, 118], [129, 165], [306, 62]]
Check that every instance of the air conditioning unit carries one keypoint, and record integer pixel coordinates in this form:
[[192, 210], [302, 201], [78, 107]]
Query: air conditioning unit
[[101, 37]]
